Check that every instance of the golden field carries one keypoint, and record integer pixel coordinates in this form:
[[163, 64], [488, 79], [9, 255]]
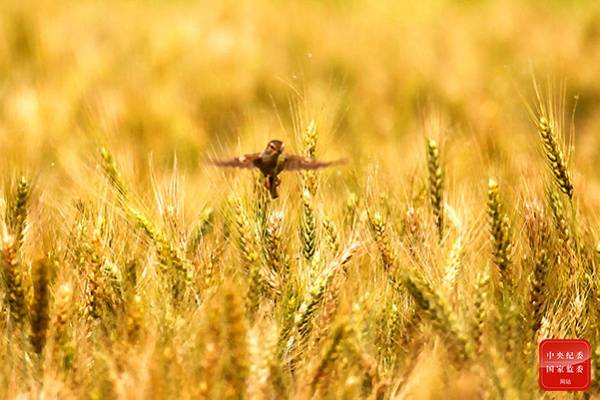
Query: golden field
[[463, 230]]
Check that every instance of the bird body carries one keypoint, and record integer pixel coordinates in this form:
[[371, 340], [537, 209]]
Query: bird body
[[272, 161]]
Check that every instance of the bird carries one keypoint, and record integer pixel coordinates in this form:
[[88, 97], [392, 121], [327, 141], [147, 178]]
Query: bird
[[272, 161]]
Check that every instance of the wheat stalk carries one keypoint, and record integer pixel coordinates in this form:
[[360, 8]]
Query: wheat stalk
[[63, 350], [274, 249], [538, 290], [547, 125], [40, 316], [309, 141], [308, 227], [331, 234], [237, 364], [481, 310], [16, 216], [380, 234], [501, 234], [436, 184], [330, 356], [13, 278], [169, 254], [200, 230], [306, 312], [437, 310], [559, 216]]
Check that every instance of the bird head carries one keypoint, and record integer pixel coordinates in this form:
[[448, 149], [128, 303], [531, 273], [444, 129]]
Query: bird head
[[274, 147]]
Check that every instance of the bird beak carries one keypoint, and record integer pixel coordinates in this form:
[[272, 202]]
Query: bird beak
[[282, 147]]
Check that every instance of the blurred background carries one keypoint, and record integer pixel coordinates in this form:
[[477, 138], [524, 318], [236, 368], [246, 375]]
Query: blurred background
[[195, 79]]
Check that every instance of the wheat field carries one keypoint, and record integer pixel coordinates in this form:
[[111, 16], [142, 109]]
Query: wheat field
[[463, 230]]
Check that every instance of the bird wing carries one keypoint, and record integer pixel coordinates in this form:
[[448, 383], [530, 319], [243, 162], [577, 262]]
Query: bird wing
[[295, 163], [245, 161]]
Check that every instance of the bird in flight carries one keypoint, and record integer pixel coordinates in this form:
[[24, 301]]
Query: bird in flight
[[272, 161]]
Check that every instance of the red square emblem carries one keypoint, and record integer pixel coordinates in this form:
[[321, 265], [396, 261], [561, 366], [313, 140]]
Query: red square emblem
[[565, 364]]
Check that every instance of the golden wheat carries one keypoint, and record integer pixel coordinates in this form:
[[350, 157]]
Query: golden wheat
[[132, 268]]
